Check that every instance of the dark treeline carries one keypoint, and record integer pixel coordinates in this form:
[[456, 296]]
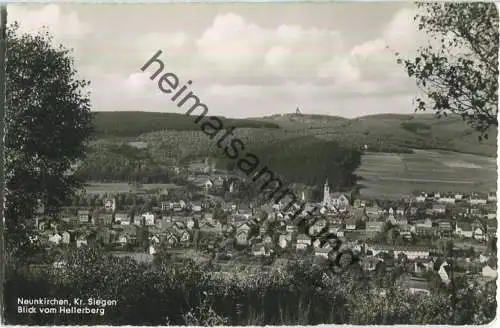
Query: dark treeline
[[121, 162], [182, 292], [308, 160], [133, 124]]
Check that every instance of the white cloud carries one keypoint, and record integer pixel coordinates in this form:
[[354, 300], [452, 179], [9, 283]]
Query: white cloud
[[63, 25], [238, 66], [138, 81], [234, 46]]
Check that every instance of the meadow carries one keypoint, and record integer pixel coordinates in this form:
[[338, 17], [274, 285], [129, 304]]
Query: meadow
[[393, 176], [119, 187]]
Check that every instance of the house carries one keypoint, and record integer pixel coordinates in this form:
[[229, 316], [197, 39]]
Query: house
[[464, 229], [492, 227], [417, 286], [190, 223], [179, 206], [203, 182], [303, 241], [179, 225], [104, 235], [423, 265], [66, 238], [335, 199], [260, 250], [373, 227], [317, 227], [492, 197], [421, 198], [425, 231], [267, 239], [477, 199], [489, 272], [121, 217], [83, 216], [445, 228], [322, 252], [419, 267], [105, 218], [350, 224], [411, 252], [110, 205], [444, 272], [184, 237], [154, 239], [149, 219], [152, 250], [284, 240], [242, 232], [438, 209], [165, 206], [427, 223], [171, 240], [55, 238], [391, 218], [369, 263], [412, 210], [244, 209], [59, 264], [358, 203], [209, 217], [316, 243], [459, 196], [196, 207], [490, 215], [138, 220], [122, 239], [290, 228], [479, 233], [334, 228], [218, 182], [405, 230], [80, 241], [447, 199], [483, 258], [400, 220]]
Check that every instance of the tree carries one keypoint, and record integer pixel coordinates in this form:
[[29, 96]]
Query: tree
[[458, 70], [48, 120]]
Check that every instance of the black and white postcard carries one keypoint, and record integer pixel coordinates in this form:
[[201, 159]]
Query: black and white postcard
[[249, 164]]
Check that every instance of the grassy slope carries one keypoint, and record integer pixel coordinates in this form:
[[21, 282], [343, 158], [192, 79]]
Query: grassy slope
[[412, 131]]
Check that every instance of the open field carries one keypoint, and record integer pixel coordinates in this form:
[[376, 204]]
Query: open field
[[118, 187], [396, 175]]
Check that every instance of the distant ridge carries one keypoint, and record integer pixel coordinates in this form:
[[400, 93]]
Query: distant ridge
[[380, 132]]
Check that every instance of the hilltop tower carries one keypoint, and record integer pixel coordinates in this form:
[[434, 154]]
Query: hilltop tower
[[326, 193]]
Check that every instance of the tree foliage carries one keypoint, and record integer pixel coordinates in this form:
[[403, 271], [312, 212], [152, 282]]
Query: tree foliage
[[47, 121], [458, 69]]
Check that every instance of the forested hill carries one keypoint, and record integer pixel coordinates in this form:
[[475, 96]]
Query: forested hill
[[385, 132], [133, 124]]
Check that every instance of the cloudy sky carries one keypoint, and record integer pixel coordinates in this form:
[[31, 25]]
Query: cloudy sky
[[245, 60]]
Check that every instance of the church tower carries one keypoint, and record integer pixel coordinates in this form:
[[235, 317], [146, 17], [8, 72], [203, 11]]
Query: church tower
[[326, 193]]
